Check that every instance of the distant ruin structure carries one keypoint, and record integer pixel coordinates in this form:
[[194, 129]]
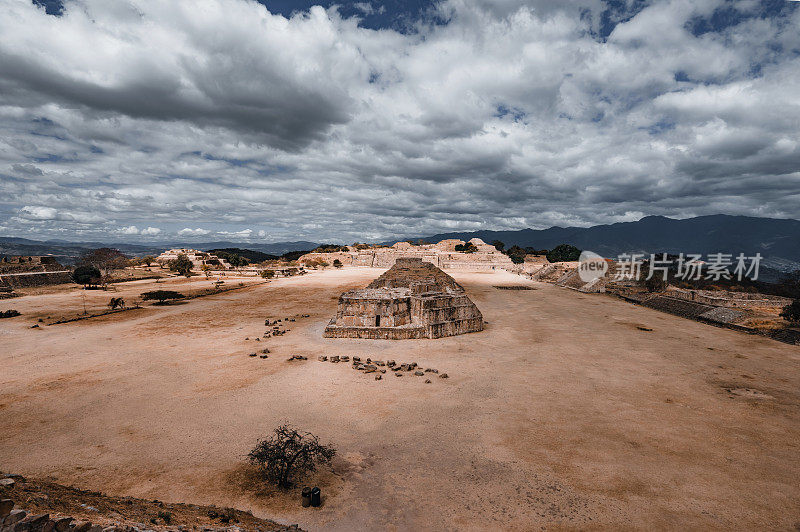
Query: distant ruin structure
[[197, 257], [413, 299], [442, 254], [24, 271]]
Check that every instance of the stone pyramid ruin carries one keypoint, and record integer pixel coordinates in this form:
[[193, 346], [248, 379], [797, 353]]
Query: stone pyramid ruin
[[413, 299]]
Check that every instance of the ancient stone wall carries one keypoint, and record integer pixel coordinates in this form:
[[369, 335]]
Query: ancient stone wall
[[413, 299], [27, 280], [443, 255], [728, 299]]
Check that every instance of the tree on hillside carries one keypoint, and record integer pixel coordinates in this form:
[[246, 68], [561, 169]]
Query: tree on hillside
[[147, 260], [564, 253], [182, 265], [86, 275], [289, 453], [104, 259], [337, 263], [499, 246]]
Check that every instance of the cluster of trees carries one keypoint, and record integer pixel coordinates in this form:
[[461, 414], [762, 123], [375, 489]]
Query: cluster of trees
[[563, 253], [147, 260], [469, 247], [330, 248], [517, 253]]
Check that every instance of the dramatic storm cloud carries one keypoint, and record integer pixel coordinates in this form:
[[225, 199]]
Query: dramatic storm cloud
[[246, 121]]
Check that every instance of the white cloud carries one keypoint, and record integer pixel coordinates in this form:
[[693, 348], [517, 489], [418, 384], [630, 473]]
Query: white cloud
[[130, 230], [513, 113], [193, 232], [244, 233], [38, 213]]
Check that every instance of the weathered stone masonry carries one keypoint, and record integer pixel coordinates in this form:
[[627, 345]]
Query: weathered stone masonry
[[413, 299]]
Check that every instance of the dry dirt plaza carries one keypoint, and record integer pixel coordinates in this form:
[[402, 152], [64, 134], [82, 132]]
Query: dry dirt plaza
[[565, 412]]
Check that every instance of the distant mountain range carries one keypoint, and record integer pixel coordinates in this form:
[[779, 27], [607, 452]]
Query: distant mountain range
[[67, 252], [778, 240]]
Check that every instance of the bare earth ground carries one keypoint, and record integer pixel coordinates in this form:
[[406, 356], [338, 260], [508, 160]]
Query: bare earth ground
[[563, 413]]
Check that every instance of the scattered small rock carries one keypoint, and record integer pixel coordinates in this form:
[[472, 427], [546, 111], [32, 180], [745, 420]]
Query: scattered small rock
[[419, 373], [335, 359], [7, 482], [444, 376], [322, 358], [253, 354], [378, 377], [427, 381]]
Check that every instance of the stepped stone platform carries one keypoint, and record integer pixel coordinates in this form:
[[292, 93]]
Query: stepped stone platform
[[413, 299]]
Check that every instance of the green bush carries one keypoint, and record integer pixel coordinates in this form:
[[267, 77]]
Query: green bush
[[791, 312], [161, 296], [469, 247], [86, 275]]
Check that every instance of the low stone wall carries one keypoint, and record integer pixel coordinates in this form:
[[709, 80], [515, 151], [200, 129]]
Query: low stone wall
[[27, 280], [729, 299], [375, 333]]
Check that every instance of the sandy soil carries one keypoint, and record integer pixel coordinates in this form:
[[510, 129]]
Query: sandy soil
[[563, 413]]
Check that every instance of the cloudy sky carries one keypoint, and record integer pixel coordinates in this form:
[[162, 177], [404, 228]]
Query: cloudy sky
[[146, 120]]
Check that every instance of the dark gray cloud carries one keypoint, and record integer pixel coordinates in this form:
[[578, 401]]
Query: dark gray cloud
[[150, 119]]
